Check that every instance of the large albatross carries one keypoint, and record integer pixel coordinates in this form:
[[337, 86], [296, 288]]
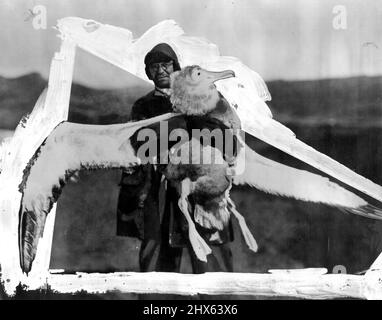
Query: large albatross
[[72, 147]]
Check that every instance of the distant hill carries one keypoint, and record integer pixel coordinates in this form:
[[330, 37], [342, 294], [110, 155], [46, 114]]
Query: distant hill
[[18, 96], [348, 102]]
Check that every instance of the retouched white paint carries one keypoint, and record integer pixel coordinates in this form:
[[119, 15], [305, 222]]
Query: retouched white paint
[[50, 109], [246, 93], [300, 283]]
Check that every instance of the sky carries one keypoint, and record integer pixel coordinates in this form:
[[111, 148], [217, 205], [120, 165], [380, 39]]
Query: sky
[[289, 40]]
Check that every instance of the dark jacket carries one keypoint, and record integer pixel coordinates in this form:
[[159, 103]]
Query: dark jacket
[[158, 213]]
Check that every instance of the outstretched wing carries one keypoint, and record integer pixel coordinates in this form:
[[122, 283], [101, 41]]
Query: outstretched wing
[[246, 93], [276, 178], [69, 148], [276, 134]]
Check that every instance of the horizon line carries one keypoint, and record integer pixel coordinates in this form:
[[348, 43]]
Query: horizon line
[[140, 84]]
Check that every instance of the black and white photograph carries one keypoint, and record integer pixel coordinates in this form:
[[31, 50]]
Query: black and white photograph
[[193, 150]]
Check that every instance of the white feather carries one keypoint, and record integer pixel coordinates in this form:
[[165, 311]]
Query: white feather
[[73, 146], [276, 178], [69, 148]]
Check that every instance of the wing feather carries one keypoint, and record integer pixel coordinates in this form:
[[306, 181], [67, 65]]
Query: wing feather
[[276, 178], [69, 148], [282, 138]]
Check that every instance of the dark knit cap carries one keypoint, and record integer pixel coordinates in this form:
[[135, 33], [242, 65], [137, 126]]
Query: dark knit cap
[[161, 53]]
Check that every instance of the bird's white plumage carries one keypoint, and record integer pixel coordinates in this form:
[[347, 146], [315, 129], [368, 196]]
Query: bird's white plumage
[[69, 148], [73, 146]]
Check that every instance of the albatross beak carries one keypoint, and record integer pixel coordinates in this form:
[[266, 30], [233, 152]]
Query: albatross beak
[[215, 76]]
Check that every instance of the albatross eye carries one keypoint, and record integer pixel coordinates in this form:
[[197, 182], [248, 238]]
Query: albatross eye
[[195, 74]]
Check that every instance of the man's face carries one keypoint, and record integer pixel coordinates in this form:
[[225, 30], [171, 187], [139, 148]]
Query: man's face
[[160, 73]]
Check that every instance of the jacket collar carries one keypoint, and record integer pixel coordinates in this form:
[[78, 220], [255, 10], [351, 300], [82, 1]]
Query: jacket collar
[[162, 92]]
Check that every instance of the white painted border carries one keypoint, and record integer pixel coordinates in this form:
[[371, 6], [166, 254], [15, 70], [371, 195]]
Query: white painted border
[[305, 283], [51, 109]]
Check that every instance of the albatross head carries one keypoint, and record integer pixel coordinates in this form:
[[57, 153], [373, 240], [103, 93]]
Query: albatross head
[[193, 90]]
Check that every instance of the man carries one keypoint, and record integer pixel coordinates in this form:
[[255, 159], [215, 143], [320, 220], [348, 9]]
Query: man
[[148, 205]]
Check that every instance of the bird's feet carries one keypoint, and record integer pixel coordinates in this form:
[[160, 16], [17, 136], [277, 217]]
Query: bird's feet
[[198, 244], [248, 237], [201, 248]]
